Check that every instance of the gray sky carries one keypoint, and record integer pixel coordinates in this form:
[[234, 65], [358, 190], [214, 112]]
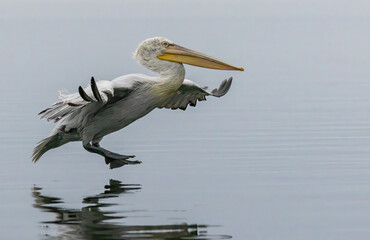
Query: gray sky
[[180, 9]]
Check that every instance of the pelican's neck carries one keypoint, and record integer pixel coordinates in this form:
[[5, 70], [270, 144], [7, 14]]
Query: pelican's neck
[[170, 80]]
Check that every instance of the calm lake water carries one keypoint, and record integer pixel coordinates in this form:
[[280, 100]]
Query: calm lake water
[[284, 155]]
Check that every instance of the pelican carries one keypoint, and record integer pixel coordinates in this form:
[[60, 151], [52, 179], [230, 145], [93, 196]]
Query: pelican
[[104, 107]]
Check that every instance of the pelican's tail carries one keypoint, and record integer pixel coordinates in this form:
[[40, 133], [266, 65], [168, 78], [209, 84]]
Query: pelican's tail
[[46, 144]]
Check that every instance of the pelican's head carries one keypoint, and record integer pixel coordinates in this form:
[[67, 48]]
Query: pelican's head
[[160, 54]]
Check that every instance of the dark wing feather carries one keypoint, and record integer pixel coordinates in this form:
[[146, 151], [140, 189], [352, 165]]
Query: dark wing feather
[[189, 93], [95, 90], [102, 91], [84, 95]]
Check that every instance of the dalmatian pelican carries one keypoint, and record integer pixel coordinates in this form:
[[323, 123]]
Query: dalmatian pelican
[[104, 107]]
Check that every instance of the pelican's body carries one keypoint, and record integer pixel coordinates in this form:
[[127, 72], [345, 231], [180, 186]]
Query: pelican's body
[[107, 106], [92, 120], [137, 104]]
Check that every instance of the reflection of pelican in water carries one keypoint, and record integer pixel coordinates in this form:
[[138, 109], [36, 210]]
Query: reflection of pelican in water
[[92, 222], [107, 106]]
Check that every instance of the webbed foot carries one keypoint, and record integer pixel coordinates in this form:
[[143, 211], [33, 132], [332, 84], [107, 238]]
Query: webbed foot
[[119, 162]]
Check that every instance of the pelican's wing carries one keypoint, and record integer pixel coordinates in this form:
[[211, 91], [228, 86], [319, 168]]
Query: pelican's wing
[[189, 93], [98, 94]]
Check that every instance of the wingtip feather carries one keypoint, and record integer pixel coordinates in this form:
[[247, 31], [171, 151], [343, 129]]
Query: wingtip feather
[[84, 95], [95, 90]]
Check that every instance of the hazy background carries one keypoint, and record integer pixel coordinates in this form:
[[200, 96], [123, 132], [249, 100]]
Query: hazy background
[[284, 155]]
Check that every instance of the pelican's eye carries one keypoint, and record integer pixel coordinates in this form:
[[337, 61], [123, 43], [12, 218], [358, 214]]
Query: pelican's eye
[[165, 44]]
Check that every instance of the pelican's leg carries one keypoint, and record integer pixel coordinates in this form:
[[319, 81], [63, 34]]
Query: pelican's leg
[[114, 159], [96, 142]]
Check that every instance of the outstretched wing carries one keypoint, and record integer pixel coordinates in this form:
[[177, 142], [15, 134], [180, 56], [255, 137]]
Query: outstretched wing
[[189, 93], [98, 93]]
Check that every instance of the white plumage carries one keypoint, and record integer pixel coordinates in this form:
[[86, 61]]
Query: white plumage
[[107, 106]]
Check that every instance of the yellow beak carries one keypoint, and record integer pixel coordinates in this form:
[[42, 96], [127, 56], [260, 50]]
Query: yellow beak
[[175, 53]]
